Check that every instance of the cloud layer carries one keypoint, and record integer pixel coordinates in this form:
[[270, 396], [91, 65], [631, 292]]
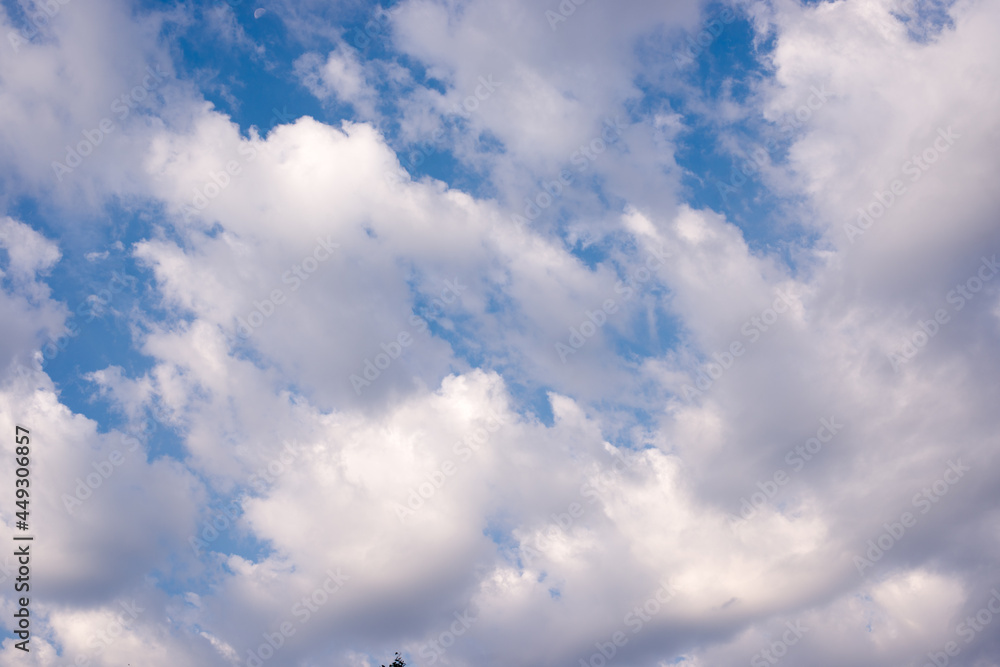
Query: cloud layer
[[454, 360]]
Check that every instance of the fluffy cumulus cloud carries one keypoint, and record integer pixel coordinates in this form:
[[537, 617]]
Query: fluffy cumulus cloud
[[511, 333]]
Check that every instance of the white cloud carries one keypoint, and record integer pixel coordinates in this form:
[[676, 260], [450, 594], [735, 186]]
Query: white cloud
[[341, 76]]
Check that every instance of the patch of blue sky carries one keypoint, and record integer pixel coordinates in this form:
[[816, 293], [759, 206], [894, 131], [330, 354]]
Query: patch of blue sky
[[591, 245], [528, 392], [440, 163], [627, 425], [925, 20], [499, 531], [650, 332], [219, 530], [591, 254], [423, 157], [254, 90], [459, 331], [529, 396], [634, 335], [106, 293], [498, 301], [532, 399], [465, 338], [245, 350], [264, 90], [729, 69]]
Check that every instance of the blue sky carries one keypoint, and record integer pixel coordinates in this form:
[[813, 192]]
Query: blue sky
[[339, 325]]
